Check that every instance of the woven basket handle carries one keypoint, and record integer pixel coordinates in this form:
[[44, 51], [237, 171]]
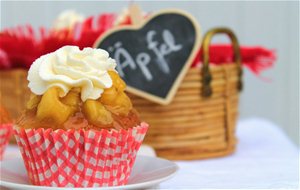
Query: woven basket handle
[[206, 75]]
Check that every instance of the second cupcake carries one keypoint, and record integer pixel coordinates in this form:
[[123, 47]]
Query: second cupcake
[[5, 130]]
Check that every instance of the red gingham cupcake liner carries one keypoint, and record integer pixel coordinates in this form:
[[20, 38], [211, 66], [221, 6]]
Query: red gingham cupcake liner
[[5, 133], [79, 158]]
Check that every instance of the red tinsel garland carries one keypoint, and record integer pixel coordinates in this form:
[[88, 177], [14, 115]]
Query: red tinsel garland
[[20, 46]]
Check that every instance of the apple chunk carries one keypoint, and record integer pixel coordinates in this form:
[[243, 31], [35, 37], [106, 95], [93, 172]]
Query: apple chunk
[[52, 109], [117, 81], [121, 105], [33, 102], [96, 113]]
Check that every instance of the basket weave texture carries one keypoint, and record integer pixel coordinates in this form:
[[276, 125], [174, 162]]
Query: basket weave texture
[[14, 91], [193, 126]]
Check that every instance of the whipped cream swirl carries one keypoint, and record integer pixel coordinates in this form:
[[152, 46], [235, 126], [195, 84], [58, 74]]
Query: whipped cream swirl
[[67, 20], [70, 67]]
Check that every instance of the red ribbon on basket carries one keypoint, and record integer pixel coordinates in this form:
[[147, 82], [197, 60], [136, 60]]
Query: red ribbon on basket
[[20, 46]]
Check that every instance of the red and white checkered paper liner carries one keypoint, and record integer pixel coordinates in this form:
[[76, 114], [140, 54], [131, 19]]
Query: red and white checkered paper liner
[[79, 158], [5, 133]]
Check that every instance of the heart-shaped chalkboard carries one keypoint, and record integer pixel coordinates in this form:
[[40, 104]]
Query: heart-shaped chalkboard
[[154, 57]]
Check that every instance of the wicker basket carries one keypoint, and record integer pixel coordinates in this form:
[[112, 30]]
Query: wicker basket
[[200, 121], [14, 91]]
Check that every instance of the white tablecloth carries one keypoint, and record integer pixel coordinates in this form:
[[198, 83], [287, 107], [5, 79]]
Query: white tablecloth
[[265, 158]]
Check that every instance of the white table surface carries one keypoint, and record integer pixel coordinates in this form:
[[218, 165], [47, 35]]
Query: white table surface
[[265, 158]]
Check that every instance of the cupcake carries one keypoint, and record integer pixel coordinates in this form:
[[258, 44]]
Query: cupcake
[[79, 128], [5, 129]]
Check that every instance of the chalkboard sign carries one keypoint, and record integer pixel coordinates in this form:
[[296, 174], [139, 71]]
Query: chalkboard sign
[[153, 57]]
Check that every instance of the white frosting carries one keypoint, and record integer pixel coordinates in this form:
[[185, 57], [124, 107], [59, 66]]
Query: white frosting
[[67, 19], [70, 67]]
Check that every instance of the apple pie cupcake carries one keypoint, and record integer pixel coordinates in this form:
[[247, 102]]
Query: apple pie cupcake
[[5, 129], [79, 128]]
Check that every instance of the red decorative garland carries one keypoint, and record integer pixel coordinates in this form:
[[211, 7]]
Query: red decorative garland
[[20, 46]]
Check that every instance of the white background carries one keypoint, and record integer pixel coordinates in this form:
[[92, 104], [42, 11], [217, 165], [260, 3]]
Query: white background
[[274, 25]]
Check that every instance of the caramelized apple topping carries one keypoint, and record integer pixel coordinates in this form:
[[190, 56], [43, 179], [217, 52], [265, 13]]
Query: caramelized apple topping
[[103, 112]]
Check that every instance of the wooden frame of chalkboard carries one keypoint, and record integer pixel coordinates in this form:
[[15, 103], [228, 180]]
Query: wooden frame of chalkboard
[[167, 97]]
